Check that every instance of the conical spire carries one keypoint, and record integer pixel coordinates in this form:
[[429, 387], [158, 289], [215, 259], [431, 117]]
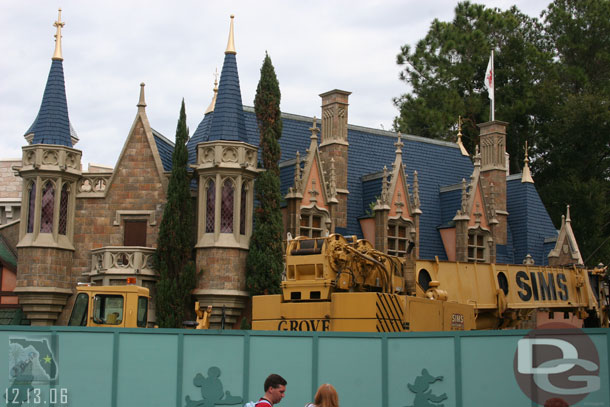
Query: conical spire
[[213, 102], [231, 42], [459, 138], [526, 175], [52, 124], [228, 121]]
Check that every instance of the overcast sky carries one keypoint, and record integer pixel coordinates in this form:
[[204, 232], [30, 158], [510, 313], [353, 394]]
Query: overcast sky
[[110, 46]]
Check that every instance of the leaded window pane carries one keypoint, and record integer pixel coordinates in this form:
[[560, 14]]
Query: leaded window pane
[[210, 207], [63, 209], [48, 201], [242, 210], [31, 207], [226, 207]]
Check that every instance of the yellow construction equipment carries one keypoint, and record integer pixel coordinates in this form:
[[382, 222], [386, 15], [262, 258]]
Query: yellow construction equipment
[[339, 284], [121, 306]]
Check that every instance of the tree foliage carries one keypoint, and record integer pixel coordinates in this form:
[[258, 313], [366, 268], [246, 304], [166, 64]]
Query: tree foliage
[[176, 240], [552, 81], [265, 258], [446, 70]]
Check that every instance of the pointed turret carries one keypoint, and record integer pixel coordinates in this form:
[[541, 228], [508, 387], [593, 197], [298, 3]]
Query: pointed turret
[[52, 124], [526, 175], [228, 121]]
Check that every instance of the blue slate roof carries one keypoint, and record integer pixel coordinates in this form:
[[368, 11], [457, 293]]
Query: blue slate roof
[[450, 201], [52, 124], [529, 222], [437, 163], [440, 166], [228, 119], [165, 148]]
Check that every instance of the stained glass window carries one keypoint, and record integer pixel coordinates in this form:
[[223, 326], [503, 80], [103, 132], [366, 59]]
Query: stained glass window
[[210, 207], [31, 207], [242, 209], [63, 209], [48, 201], [226, 207]]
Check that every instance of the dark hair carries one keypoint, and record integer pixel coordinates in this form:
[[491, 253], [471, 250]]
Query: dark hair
[[275, 381]]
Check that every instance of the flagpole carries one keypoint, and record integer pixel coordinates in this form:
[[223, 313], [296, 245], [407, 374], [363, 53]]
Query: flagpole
[[493, 100]]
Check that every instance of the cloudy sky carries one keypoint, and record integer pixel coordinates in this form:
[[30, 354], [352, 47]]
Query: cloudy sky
[[110, 46]]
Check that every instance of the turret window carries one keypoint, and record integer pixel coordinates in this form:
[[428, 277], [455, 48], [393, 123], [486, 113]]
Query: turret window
[[63, 209], [226, 212], [48, 203], [210, 207], [31, 207]]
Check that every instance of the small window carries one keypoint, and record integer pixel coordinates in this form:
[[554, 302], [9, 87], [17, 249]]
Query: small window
[[477, 249], [134, 233], [79, 312], [398, 242], [312, 224], [142, 312], [108, 309]]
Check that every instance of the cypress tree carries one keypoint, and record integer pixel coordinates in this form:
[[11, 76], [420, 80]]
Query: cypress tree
[[175, 242], [265, 261]]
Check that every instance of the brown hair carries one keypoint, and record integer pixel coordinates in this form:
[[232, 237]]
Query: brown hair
[[326, 396]]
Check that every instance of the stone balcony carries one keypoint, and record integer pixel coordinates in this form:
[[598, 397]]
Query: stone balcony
[[111, 265]]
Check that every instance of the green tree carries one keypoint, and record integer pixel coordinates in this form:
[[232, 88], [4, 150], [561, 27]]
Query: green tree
[[264, 264], [445, 71], [572, 164], [175, 242]]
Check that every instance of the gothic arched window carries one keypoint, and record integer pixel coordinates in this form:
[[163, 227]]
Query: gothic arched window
[[226, 206], [31, 207], [63, 209], [210, 207], [47, 206], [242, 209]]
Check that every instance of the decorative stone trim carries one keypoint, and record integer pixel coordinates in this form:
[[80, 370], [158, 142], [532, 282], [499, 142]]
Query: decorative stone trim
[[93, 185], [119, 214]]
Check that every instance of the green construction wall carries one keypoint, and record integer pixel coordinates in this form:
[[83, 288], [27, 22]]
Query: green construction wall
[[158, 367]]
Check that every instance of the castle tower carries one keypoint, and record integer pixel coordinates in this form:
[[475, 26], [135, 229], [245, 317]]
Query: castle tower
[[334, 146], [225, 168], [50, 170]]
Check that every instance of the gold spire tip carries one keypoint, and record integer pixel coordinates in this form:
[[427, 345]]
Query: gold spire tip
[[231, 43], [59, 24]]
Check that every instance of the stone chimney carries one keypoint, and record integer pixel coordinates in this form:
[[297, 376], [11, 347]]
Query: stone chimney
[[334, 145], [493, 171]]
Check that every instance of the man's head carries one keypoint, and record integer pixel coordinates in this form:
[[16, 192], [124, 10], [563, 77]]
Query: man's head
[[275, 387]]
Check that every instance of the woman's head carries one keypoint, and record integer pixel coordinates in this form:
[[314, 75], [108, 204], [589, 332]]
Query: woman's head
[[326, 396]]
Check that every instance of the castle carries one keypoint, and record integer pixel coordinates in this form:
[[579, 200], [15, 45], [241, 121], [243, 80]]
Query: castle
[[406, 194]]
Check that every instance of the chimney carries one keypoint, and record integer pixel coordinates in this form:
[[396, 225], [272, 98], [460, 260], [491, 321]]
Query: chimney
[[493, 171], [334, 145]]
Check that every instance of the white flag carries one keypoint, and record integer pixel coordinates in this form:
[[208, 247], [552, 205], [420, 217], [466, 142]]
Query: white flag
[[489, 77]]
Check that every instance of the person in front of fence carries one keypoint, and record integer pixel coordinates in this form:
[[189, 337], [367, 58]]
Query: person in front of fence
[[275, 389], [326, 396]]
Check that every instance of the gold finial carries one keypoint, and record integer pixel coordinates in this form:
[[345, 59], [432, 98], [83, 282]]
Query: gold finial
[[59, 24], [142, 101], [231, 43], [459, 136], [526, 175], [212, 105]]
